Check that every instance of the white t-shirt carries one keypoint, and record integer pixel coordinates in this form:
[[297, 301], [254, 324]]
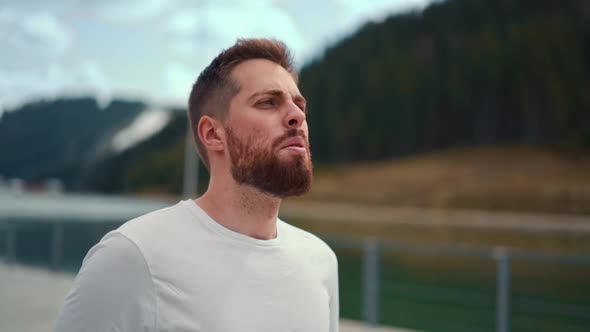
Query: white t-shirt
[[176, 269]]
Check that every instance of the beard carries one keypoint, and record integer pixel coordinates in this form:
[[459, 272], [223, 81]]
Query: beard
[[253, 165]]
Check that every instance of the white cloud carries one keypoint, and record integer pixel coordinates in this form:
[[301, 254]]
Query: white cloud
[[39, 33], [53, 81], [154, 49], [179, 79], [48, 31], [219, 27], [182, 23], [94, 79], [130, 11]]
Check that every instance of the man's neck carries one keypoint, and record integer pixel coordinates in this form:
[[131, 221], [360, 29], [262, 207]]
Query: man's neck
[[243, 209]]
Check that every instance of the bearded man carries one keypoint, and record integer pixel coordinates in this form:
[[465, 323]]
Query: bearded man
[[225, 261]]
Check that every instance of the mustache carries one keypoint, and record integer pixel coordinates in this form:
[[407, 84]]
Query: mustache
[[290, 133]]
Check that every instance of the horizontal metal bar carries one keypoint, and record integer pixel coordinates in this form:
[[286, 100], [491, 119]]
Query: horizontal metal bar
[[460, 251]]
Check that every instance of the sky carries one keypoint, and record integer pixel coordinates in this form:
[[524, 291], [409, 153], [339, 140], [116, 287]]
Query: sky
[[153, 50]]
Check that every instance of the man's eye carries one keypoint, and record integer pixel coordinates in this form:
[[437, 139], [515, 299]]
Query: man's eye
[[266, 102]]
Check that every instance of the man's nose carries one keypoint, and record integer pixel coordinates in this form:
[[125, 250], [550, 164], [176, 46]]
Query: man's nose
[[295, 116]]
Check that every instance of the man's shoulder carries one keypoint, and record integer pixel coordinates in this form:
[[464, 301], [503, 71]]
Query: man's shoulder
[[159, 226], [154, 220], [307, 241]]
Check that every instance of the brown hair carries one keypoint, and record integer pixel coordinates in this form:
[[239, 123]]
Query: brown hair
[[214, 88]]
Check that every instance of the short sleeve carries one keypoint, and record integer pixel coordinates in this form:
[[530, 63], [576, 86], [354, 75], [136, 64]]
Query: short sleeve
[[113, 291]]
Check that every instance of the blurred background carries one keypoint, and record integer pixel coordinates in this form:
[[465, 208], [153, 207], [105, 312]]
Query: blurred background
[[451, 142]]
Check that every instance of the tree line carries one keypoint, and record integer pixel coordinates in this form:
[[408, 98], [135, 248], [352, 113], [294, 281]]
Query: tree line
[[459, 73]]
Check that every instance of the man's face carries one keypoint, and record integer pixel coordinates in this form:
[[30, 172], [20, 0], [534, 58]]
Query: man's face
[[266, 130]]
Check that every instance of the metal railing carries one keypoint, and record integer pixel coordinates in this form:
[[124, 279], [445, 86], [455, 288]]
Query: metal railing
[[372, 250]]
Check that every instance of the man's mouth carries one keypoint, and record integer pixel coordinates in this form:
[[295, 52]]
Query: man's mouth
[[295, 144]]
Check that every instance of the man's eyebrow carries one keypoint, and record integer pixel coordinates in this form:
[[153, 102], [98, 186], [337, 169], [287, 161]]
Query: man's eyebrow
[[274, 93], [300, 98]]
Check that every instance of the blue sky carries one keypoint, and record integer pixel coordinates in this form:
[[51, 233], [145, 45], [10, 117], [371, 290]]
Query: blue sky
[[154, 49]]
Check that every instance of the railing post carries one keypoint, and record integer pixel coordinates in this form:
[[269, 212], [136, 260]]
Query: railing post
[[502, 258], [10, 243], [371, 281], [56, 246]]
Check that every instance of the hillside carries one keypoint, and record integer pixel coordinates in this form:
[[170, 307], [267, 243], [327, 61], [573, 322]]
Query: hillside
[[460, 73], [154, 165], [494, 178], [61, 138]]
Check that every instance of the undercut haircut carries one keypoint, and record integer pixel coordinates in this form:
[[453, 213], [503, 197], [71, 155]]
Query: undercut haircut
[[213, 90]]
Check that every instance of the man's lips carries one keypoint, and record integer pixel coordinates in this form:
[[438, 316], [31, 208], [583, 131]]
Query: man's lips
[[294, 142]]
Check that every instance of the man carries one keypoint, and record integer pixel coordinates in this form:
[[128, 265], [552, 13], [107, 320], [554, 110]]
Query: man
[[223, 262]]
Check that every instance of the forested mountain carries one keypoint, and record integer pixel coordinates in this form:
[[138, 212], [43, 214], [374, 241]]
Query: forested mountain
[[154, 165], [460, 73], [60, 139]]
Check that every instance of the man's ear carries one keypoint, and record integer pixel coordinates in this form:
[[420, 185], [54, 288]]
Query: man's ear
[[211, 133]]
